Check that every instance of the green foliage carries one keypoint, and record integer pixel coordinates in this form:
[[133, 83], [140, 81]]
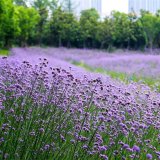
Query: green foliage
[[122, 30], [151, 25], [63, 26], [124, 77], [40, 5], [89, 24], [4, 52], [105, 33], [28, 19], [7, 25], [53, 23], [44, 7], [68, 5]]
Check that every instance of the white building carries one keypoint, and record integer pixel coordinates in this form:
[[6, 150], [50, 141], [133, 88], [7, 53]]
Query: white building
[[79, 5], [114, 5], [104, 7], [97, 4], [88, 4], [148, 5]]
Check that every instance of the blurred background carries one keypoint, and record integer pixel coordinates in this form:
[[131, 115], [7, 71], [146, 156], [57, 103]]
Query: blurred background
[[94, 24]]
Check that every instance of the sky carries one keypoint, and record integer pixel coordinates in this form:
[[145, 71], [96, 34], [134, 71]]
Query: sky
[[109, 5]]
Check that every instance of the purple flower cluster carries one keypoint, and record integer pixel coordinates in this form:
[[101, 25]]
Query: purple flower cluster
[[48, 112], [138, 63], [132, 66]]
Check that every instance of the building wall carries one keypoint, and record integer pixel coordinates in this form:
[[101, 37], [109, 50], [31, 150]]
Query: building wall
[[97, 4], [79, 5], [148, 5], [87, 4]]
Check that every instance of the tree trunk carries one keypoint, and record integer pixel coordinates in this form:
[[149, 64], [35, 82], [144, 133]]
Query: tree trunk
[[151, 46], [128, 44], [92, 43], [40, 35], [84, 44], [40, 40], [102, 44], [7, 43], [23, 42], [68, 44], [60, 42]]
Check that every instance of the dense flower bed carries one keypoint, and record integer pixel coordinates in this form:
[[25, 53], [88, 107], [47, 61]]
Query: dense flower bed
[[50, 113], [137, 63]]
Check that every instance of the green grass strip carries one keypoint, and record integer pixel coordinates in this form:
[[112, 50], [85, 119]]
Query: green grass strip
[[126, 78], [4, 52]]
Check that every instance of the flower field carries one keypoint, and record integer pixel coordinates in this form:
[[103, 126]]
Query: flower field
[[51, 109]]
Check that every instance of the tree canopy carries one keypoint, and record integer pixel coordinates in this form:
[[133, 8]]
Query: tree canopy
[[49, 22]]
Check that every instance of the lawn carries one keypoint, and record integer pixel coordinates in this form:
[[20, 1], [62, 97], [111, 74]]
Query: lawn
[[4, 52]]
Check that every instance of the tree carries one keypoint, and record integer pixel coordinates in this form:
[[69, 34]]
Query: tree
[[53, 5], [105, 33], [2, 8], [122, 29], [8, 23], [28, 19], [138, 37], [89, 23], [157, 39], [151, 25], [63, 27], [68, 5], [44, 7]]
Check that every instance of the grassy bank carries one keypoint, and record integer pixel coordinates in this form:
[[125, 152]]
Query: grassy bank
[[4, 52], [126, 78]]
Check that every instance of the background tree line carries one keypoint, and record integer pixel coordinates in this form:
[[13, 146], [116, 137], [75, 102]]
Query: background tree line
[[50, 23]]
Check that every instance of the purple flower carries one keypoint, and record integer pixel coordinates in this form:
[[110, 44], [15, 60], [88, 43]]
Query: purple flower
[[72, 141], [11, 110], [103, 156], [136, 148], [62, 138], [32, 133], [1, 140], [102, 148], [84, 146], [125, 146], [46, 147], [2, 107], [75, 108], [149, 156], [158, 153], [41, 130], [129, 149], [101, 118]]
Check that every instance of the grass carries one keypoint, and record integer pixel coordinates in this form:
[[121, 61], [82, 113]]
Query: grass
[[124, 77], [4, 52]]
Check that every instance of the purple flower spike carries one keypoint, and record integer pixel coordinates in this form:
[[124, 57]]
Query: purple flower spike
[[125, 146], [136, 148], [2, 107], [41, 130], [101, 118], [46, 147], [149, 156], [103, 156]]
